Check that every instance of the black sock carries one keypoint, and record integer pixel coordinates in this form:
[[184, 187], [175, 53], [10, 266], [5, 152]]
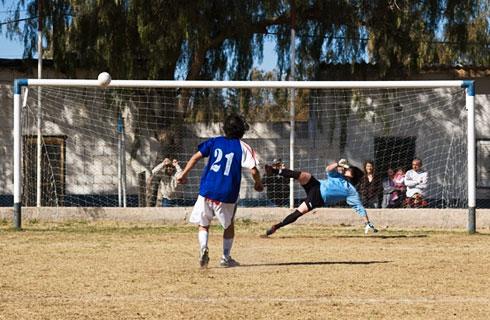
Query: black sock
[[289, 219], [286, 173]]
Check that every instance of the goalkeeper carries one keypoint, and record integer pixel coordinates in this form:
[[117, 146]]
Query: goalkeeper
[[339, 186]]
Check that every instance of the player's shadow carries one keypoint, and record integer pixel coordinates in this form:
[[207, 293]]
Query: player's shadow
[[399, 236], [312, 263]]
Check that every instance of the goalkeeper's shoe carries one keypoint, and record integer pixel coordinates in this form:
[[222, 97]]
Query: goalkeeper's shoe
[[369, 227], [269, 170], [228, 262], [204, 257], [269, 232]]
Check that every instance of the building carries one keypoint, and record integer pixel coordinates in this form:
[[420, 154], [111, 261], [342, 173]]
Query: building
[[87, 170]]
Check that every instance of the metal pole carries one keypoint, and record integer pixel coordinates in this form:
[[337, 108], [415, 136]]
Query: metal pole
[[292, 108], [119, 159], [470, 106], [66, 83], [17, 157], [39, 110], [119, 173], [123, 162]]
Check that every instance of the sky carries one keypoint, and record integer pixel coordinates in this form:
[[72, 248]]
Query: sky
[[13, 49], [9, 49]]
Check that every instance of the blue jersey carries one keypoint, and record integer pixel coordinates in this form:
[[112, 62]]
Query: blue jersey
[[222, 175], [336, 188]]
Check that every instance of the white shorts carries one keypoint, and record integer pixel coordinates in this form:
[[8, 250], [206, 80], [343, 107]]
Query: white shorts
[[205, 209]]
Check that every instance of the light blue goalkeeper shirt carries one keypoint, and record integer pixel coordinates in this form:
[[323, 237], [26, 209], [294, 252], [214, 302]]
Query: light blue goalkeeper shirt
[[336, 188]]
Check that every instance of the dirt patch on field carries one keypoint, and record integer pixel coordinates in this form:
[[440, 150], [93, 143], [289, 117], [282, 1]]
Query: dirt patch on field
[[103, 270]]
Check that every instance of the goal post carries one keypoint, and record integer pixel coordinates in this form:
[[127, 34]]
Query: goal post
[[468, 85]]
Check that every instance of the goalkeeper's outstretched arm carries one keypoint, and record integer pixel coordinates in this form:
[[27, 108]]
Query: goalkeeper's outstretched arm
[[341, 163]]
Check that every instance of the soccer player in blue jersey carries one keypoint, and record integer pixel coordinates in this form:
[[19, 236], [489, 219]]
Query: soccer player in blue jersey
[[220, 184], [339, 186]]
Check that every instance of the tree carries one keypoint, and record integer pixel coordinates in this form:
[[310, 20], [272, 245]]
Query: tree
[[203, 39], [212, 39]]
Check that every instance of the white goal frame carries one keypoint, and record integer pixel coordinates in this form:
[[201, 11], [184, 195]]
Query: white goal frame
[[468, 85]]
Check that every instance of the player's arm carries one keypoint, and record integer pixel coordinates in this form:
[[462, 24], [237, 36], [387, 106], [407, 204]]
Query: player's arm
[[332, 166], [354, 201], [188, 167], [249, 160], [341, 163]]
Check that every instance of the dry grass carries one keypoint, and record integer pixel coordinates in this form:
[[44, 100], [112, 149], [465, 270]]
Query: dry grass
[[106, 270]]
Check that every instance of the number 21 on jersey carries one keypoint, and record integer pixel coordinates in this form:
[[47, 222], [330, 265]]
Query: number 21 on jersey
[[218, 154]]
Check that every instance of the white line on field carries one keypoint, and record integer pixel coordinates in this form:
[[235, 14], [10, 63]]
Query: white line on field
[[94, 298], [346, 300]]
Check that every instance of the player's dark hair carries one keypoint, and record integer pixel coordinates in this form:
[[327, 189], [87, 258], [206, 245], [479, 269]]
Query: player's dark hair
[[357, 175], [235, 126]]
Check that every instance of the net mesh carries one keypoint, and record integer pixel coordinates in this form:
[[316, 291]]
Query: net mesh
[[100, 147]]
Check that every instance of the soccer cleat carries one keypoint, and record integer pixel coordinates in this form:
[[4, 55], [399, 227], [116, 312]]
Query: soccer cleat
[[269, 232], [228, 262], [269, 171], [204, 257], [369, 227]]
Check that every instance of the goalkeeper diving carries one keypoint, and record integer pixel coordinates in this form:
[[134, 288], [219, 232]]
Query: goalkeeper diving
[[339, 186]]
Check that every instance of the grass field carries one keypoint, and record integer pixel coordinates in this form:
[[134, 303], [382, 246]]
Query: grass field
[[107, 270]]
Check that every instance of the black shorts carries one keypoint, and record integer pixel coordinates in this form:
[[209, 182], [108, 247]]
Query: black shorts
[[313, 196]]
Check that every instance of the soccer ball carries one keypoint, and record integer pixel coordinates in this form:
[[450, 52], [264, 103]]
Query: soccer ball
[[104, 79]]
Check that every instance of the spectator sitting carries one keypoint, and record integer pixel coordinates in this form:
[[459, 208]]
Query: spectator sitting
[[168, 190], [370, 186], [277, 186], [389, 190], [416, 181]]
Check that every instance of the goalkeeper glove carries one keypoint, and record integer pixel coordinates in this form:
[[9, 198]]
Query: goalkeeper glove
[[343, 163], [369, 226]]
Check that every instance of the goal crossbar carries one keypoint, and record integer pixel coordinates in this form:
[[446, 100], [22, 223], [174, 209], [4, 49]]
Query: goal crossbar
[[249, 84]]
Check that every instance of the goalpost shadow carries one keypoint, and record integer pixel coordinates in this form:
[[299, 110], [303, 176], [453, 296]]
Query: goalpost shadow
[[313, 263], [379, 236]]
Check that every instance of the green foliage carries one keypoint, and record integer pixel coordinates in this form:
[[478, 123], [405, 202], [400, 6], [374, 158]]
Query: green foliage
[[203, 39]]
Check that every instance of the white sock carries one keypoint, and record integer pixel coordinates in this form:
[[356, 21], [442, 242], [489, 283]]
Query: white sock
[[202, 235], [227, 244]]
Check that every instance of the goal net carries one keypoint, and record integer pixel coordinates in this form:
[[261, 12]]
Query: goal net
[[103, 146]]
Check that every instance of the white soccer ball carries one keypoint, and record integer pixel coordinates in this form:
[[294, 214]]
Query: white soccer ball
[[104, 79]]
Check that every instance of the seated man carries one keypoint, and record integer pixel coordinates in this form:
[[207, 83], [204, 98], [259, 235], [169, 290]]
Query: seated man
[[338, 187], [416, 181]]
